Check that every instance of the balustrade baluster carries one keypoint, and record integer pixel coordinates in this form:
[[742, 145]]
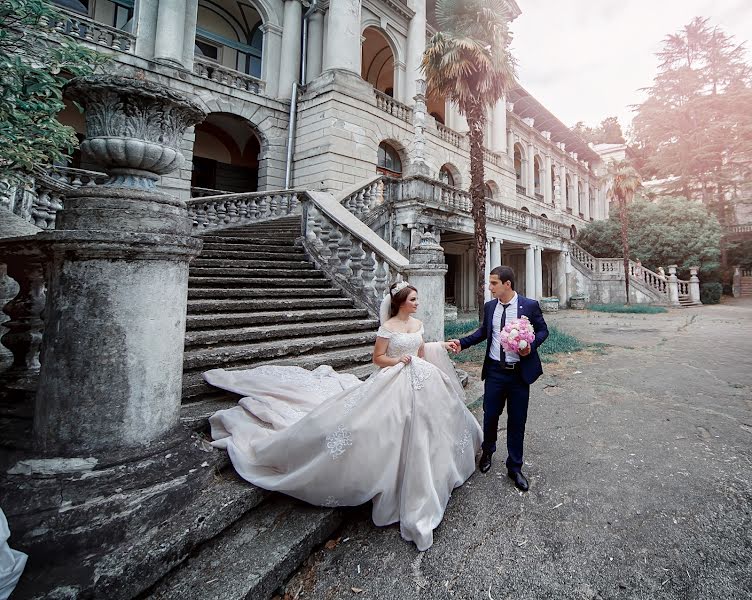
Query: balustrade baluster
[[211, 213], [243, 210], [356, 262], [326, 229], [309, 231], [380, 278], [232, 211], [368, 266], [333, 245], [263, 207], [343, 253]]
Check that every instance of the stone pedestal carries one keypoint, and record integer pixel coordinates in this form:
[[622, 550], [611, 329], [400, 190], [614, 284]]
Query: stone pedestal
[[673, 286], [736, 285], [426, 272], [694, 285]]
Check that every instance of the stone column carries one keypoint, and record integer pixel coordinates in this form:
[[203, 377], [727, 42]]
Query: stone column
[[417, 149], [694, 285], [315, 49], [145, 19], [426, 272], [673, 286], [416, 45], [547, 181], [499, 127], [495, 254], [538, 273], [530, 272], [342, 49], [510, 144], [561, 278], [171, 32], [112, 354], [271, 60], [563, 186], [530, 176], [487, 274], [289, 65], [586, 207]]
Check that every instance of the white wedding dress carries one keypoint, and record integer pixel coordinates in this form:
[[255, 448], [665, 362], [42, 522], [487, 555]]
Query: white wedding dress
[[403, 438]]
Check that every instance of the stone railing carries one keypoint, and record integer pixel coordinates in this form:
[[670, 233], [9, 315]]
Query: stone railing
[[391, 106], [365, 198], [348, 251], [200, 192], [230, 210], [208, 69], [738, 228], [491, 157], [449, 135], [88, 30]]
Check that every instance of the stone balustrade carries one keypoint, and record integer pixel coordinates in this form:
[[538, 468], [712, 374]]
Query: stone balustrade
[[449, 135], [208, 69], [492, 157], [231, 210], [51, 186], [739, 228], [393, 107], [365, 199], [200, 192], [88, 30]]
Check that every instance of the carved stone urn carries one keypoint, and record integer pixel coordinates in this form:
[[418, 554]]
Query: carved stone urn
[[133, 127]]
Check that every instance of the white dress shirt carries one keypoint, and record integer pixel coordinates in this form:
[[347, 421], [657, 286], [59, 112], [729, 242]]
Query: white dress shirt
[[495, 353]]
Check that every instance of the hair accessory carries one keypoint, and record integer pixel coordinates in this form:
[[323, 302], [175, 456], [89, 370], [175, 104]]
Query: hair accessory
[[398, 287]]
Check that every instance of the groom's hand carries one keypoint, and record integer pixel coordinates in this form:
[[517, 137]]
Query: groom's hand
[[456, 346], [525, 351]]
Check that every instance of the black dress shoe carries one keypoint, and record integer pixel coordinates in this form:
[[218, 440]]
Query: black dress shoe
[[485, 462], [520, 482]]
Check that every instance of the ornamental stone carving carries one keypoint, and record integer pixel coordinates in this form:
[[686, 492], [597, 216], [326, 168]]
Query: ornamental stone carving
[[133, 127]]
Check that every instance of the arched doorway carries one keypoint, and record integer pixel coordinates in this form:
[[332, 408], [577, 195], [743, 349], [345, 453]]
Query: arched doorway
[[449, 175], [377, 64], [230, 34], [226, 155]]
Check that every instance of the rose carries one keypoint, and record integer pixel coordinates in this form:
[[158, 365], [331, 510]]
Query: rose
[[522, 345]]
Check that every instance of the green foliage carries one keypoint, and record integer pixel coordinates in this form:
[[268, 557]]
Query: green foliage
[[640, 309], [34, 66], [608, 132], [668, 231], [694, 129], [710, 293], [557, 342]]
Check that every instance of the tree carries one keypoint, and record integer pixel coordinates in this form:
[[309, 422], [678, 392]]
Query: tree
[[468, 61], [34, 66], [624, 181], [608, 132], [667, 231], [694, 129]]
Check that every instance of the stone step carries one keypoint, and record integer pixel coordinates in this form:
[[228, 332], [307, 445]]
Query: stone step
[[241, 254], [194, 386], [235, 355], [270, 332], [261, 242], [257, 282], [254, 556], [310, 293], [260, 273], [264, 304], [246, 246], [283, 265], [269, 234], [228, 320]]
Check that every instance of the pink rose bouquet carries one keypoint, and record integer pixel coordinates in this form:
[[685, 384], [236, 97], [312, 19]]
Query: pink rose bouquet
[[517, 335]]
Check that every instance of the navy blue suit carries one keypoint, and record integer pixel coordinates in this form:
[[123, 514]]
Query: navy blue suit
[[510, 387]]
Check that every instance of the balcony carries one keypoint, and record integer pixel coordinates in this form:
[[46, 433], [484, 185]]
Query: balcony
[[208, 69], [390, 106], [88, 30]]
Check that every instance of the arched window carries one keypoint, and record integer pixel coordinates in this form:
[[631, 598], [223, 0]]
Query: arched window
[[573, 232], [580, 199], [488, 192], [568, 188], [591, 204], [537, 175], [518, 168], [377, 61], [445, 176], [525, 209], [544, 215], [389, 161], [553, 186]]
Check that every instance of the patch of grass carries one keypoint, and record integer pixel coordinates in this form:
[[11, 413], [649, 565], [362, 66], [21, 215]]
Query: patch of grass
[[640, 309], [557, 342]]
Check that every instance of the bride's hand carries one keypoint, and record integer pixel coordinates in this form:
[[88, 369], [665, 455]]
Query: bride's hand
[[405, 359]]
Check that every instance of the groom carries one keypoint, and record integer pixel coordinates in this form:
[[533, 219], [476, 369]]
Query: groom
[[507, 375]]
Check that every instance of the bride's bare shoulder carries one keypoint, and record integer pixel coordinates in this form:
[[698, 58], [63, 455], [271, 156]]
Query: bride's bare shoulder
[[415, 325]]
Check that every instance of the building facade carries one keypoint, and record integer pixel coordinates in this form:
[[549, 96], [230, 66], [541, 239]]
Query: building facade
[[362, 110]]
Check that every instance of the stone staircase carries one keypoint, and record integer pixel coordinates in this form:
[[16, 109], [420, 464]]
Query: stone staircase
[[254, 297], [746, 286]]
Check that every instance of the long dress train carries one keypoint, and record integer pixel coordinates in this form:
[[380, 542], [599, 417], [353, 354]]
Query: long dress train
[[403, 438]]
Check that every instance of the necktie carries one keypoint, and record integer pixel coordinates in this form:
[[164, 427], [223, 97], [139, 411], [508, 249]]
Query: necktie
[[503, 322]]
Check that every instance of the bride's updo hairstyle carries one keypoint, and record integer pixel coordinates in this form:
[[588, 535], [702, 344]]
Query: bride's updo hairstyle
[[399, 292]]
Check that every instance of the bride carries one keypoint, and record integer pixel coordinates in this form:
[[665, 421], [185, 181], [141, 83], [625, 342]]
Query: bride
[[402, 439]]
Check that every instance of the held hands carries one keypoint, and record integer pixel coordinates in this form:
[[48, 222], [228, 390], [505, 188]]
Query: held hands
[[524, 351], [453, 346], [404, 359]]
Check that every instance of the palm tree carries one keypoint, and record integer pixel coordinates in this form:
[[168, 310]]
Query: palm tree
[[624, 182], [468, 61]]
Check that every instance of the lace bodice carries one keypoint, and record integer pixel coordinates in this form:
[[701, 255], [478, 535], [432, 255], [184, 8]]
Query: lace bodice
[[401, 343]]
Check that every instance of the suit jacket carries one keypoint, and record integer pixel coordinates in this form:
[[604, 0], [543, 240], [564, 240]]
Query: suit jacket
[[530, 365]]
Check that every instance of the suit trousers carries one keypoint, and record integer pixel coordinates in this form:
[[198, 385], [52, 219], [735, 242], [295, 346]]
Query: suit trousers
[[505, 387]]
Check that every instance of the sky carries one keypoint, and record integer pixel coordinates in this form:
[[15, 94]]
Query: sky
[[586, 60]]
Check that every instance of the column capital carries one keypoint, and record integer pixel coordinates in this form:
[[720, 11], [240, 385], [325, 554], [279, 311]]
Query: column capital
[[271, 28]]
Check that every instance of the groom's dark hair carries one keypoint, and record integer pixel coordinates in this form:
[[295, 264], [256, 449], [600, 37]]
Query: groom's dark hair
[[504, 274]]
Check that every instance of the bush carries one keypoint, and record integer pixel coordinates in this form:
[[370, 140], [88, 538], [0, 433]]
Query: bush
[[710, 293], [642, 309]]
